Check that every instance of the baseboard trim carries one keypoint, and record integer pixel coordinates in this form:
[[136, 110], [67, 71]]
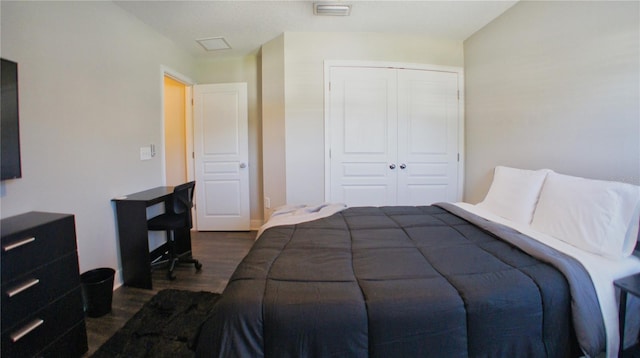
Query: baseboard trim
[[117, 280], [255, 224]]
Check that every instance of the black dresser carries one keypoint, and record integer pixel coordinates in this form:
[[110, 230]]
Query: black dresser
[[42, 310]]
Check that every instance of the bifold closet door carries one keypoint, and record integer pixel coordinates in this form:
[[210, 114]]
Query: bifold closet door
[[393, 136], [427, 137]]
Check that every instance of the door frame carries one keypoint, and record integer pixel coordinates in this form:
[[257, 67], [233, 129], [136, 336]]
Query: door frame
[[168, 72], [188, 82], [328, 64]]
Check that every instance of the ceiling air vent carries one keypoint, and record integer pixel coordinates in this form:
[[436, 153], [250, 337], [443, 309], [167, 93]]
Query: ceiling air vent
[[329, 9], [214, 43]]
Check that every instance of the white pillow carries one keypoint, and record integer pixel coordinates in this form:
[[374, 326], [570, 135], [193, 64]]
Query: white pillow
[[597, 216], [514, 193]]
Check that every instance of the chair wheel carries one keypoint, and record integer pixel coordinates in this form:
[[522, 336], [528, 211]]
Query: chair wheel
[[198, 265]]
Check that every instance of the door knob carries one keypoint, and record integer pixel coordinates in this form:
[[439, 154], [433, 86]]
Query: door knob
[[402, 166], [392, 166], [243, 165]]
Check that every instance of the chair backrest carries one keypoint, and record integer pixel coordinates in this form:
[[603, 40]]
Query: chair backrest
[[183, 199]]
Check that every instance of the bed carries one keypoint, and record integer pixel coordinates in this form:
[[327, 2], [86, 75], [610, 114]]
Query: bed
[[446, 280]]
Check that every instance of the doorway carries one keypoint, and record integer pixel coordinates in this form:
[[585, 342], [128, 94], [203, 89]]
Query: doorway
[[217, 157], [175, 132]]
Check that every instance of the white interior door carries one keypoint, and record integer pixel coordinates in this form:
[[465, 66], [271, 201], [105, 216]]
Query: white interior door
[[221, 157], [427, 137], [363, 120]]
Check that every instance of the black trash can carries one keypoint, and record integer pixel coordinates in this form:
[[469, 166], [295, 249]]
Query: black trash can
[[97, 291]]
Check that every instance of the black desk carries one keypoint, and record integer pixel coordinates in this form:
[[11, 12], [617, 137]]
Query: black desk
[[133, 236]]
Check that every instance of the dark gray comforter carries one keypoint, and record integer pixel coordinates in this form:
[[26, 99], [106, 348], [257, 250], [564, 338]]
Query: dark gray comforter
[[390, 282]]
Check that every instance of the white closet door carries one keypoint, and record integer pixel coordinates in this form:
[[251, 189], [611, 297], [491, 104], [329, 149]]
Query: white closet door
[[427, 137], [393, 136], [363, 130]]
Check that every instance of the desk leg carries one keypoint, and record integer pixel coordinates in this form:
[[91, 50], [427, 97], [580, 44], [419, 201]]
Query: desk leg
[[134, 243], [622, 312]]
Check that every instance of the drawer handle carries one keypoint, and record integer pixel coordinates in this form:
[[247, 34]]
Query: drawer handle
[[18, 244], [26, 330], [23, 287]]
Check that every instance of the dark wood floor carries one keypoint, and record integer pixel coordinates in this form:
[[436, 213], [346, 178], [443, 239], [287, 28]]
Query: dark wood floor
[[219, 253]]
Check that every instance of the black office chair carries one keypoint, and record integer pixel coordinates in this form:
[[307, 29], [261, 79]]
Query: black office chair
[[176, 217]]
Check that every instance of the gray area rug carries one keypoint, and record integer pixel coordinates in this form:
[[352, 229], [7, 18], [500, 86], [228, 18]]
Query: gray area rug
[[166, 326]]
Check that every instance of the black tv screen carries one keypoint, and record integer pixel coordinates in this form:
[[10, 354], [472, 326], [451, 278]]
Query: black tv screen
[[9, 127]]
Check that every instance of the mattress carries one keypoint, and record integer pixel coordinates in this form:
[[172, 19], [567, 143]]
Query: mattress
[[397, 281]]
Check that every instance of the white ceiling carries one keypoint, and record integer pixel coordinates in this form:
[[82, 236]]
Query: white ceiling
[[246, 25]]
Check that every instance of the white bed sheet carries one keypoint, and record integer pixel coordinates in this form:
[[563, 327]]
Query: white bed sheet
[[296, 214], [603, 272]]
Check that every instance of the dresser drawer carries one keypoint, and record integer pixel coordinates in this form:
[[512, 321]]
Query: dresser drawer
[[35, 333], [71, 344], [23, 250], [29, 293]]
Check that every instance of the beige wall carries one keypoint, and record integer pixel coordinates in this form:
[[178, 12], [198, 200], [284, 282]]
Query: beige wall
[[304, 56], [90, 97], [554, 85], [273, 132]]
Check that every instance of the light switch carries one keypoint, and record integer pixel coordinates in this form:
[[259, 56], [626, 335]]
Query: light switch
[[145, 153]]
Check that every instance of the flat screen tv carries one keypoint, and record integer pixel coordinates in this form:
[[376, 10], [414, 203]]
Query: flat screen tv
[[10, 126]]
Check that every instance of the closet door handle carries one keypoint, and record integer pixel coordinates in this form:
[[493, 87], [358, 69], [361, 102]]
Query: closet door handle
[[403, 166], [392, 166]]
